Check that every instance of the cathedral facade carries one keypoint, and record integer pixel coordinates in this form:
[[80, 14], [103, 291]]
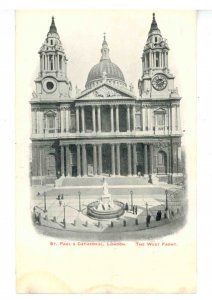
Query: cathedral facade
[[106, 130]]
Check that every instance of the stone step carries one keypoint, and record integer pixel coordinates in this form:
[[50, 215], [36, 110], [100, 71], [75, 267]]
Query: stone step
[[98, 181]]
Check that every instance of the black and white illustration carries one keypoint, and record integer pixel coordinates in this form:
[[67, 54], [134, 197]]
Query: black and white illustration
[[107, 160]]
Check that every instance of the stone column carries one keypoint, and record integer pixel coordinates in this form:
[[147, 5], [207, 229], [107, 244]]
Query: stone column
[[133, 112], [67, 119], [100, 159], [144, 118], [78, 161], [84, 160], [94, 118], [83, 118], [117, 118], [129, 159], [62, 160], [162, 60], [145, 160], [62, 120], [134, 160], [77, 119], [94, 160], [111, 119], [151, 159], [149, 119], [113, 160], [67, 161], [37, 121], [173, 119], [118, 158], [41, 121], [128, 118], [99, 118], [178, 118]]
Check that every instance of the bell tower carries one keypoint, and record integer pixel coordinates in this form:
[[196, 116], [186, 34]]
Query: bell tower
[[156, 80], [52, 82]]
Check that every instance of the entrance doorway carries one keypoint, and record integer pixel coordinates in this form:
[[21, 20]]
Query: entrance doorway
[[106, 159]]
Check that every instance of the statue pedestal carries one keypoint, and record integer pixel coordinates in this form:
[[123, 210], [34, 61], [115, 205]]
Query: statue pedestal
[[106, 202]]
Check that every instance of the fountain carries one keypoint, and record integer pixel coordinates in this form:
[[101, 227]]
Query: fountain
[[105, 208]]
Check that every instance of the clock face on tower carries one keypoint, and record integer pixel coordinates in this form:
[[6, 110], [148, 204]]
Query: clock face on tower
[[159, 82], [49, 85]]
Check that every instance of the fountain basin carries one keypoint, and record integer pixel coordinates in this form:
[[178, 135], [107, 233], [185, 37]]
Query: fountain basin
[[114, 212]]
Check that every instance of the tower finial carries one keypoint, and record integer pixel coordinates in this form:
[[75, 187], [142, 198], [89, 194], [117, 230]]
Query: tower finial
[[53, 28], [154, 25], [104, 36]]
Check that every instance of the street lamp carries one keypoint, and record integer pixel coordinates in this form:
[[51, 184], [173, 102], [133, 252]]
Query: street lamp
[[79, 193], [64, 218], [44, 198], [131, 196], [166, 192], [147, 209]]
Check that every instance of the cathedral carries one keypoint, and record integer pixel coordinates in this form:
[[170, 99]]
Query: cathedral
[[105, 130]]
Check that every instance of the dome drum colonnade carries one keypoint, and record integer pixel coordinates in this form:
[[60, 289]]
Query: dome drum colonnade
[[105, 136]]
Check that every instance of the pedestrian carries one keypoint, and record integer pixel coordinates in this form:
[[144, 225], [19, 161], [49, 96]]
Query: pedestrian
[[62, 196], [60, 202], [136, 209], [165, 215], [126, 207], [150, 179], [133, 208], [148, 220], [38, 194]]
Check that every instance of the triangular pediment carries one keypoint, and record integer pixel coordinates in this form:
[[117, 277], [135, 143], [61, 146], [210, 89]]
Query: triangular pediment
[[105, 91], [160, 110]]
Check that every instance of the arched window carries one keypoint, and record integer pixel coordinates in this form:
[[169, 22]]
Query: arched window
[[157, 59], [60, 62]]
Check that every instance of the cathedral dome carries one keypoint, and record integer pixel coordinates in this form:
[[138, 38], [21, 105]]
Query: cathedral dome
[[105, 70]]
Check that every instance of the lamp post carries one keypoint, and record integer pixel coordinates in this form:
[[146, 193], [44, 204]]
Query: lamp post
[[64, 218], [79, 193], [147, 209], [166, 192], [44, 198], [131, 196]]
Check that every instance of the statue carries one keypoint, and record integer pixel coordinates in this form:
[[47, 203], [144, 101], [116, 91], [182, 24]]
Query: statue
[[131, 87], [105, 187], [104, 75], [105, 203]]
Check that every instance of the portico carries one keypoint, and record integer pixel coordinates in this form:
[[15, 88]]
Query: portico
[[100, 158], [105, 117]]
